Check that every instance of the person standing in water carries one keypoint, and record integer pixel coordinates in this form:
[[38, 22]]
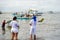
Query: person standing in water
[[33, 27], [14, 28], [3, 26]]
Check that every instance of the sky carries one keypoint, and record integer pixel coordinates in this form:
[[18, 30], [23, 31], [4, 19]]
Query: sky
[[20, 5]]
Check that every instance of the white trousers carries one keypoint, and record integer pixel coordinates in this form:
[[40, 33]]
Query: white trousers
[[33, 31]]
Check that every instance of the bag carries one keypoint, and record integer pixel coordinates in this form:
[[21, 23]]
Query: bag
[[41, 20]]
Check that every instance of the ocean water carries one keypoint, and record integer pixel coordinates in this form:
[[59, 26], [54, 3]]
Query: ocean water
[[49, 29]]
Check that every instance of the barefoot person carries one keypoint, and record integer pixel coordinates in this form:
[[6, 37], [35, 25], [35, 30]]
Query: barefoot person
[[3, 26], [33, 27], [14, 29]]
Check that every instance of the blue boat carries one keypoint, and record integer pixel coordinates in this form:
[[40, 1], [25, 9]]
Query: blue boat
[[23, 18]]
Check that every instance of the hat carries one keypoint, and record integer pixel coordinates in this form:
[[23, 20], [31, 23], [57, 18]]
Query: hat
[[34, 17]]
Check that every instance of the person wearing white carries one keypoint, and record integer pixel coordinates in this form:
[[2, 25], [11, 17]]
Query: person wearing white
[[14, 25], [14, 28], [33, 27]]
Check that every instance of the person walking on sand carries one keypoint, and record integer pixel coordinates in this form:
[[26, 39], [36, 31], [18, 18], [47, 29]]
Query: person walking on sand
[[3, 26], [14, 28], [33, 27]]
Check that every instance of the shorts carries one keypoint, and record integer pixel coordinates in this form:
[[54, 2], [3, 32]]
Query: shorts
[[14, 30], [3, 28], [33, 31]]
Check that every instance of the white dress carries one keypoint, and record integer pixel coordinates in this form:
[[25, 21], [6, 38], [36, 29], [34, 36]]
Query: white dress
[[14, 26], [33, 27]]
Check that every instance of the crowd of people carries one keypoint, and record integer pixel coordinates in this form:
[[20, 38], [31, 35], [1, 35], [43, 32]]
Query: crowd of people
[[15, 28]]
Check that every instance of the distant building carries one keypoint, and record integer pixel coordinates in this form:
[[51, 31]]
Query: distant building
[[0, 12], [50, 12]]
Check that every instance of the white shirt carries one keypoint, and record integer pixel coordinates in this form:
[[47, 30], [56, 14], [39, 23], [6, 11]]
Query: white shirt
[[33, 23], [14, 24]]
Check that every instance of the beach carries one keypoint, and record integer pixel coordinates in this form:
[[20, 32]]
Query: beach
[[49, 29]]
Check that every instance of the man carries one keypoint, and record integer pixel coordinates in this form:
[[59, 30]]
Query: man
[[33, 27]]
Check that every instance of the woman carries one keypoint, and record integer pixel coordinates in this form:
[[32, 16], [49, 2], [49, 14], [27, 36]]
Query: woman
[[14, 29], [33, 27]]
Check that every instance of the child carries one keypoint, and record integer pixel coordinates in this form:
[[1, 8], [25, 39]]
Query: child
[[3, 26]]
